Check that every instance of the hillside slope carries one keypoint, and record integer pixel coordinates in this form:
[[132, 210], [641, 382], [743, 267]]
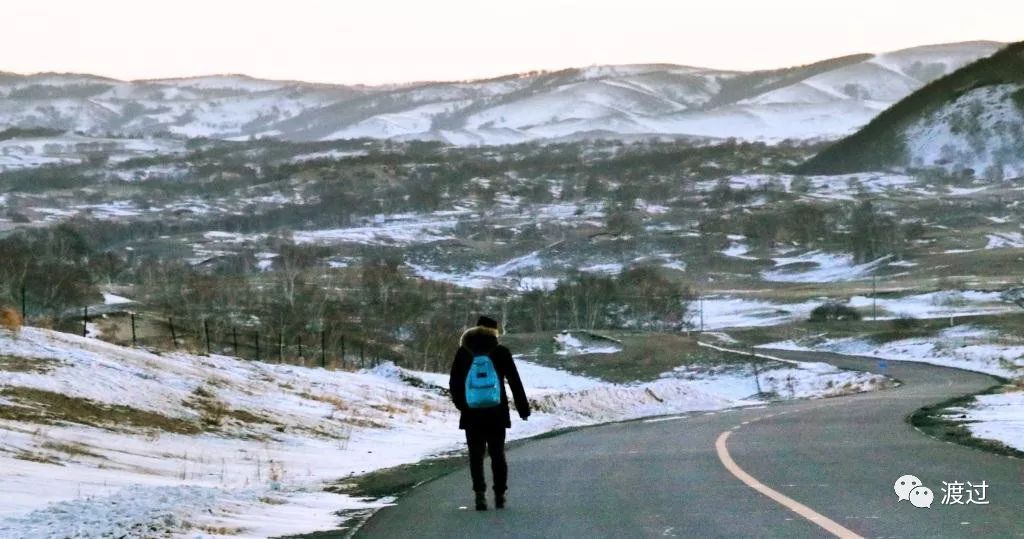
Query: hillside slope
[[123, 442], [971, 119], [825, 99]]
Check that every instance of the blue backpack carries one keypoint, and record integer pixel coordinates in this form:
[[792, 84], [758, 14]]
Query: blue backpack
[[483, 387]]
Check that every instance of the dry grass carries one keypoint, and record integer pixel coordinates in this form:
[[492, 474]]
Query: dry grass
[[27, 364], [219, 530], [10, 320], [70, 448], [47, 407], [37, 457], [213, 412], [388, 408], [334, 401], [272, 501], [211, 409]]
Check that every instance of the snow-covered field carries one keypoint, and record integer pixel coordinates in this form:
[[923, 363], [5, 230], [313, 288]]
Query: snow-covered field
[[98, 440], [964, 347], [570, 344], [835, 187], [823, 268], [720, 312], [396, 230]]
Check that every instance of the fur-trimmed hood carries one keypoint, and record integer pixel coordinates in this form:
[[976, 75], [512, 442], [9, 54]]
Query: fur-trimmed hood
[[480, 339]]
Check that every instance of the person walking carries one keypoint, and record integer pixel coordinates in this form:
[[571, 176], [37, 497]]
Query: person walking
[[477, 385]]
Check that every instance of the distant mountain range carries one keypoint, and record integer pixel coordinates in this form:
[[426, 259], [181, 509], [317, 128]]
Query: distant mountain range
[[971, 121], [827, 99]]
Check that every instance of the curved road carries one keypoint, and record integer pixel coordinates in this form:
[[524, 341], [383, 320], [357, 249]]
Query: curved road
[[664, 478]]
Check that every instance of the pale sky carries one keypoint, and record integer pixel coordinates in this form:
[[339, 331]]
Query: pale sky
[[381, 41]]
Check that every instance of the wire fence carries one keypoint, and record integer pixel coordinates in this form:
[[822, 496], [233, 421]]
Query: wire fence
[[122, 324]]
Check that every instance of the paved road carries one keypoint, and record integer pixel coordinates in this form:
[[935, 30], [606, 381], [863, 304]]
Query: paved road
[[839, 457]]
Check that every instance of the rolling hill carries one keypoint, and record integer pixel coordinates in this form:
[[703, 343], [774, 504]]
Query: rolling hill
[[971, 122], [822, 100]]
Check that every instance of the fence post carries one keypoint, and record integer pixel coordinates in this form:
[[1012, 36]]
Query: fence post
[[206, 333], [757, 378], [280, 346], [257, 346], [174, 336], [85, 321], [133, 328], [24, 313], [234, 339], [342, 350], [323, 349], [302, 357], [362, 358]]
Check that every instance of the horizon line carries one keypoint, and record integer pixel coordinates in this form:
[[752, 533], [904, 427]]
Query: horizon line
[[533, 72]]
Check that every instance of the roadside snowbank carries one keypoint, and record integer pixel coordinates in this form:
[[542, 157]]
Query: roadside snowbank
[[999, 417]]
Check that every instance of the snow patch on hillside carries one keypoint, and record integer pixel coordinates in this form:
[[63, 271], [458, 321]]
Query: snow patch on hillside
[[722, 312], [819, 267], [575, 344], [964, 347], [982, 130], [1005, 240], [608, 101]]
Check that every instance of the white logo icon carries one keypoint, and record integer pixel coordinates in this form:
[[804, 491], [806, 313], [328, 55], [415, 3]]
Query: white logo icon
[[905, 484], [911, 488], [921, 497]]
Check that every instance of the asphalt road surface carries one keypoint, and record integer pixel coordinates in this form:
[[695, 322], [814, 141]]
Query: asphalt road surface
[[831, 462]]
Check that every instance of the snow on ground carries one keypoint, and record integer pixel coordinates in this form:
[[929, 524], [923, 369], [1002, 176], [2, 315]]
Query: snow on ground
[[570, 344], [998, 416], [802, 381], [1005, 240], [111, 210], [505, 274], [720, 312], [941, 304], [328, 154], [963, 347], [114, 299], [738, 248], [838, 187], [612, 268], [825, 268], [207, 443], [404, 229], [283, 430]]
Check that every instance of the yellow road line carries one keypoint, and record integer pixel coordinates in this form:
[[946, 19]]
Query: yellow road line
[[828, 524]]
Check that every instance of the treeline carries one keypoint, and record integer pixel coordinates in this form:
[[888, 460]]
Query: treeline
[[640, 298], [860, 228], [56, 267]]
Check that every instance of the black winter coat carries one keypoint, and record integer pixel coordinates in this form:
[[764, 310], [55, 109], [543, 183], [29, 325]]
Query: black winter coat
[[480, 341]]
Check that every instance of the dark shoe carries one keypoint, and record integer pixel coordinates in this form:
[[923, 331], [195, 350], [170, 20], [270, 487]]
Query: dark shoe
[[499, 500], [481, 501]]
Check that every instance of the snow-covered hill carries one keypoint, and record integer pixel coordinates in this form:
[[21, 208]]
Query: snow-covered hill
[[826, 99], [981, 130], [970, 122]]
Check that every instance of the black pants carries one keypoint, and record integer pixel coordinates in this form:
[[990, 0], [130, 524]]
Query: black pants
[[493, 441]]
